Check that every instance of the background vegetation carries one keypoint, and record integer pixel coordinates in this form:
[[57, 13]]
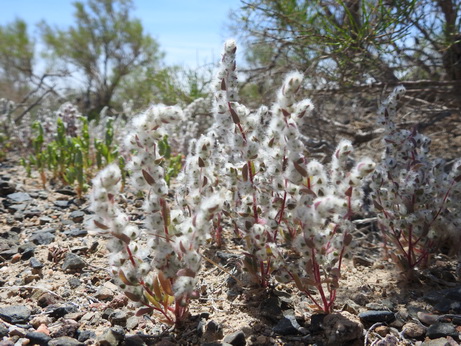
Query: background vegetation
[[342, 46]]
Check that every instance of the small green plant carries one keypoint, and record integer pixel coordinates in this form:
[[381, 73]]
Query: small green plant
[[173, 163], [71, 156]]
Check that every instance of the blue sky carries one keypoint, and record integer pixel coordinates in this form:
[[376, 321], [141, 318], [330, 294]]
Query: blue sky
[[190, 32]]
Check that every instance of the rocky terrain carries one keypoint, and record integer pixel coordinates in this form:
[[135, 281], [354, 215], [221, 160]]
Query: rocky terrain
[[55, 289]]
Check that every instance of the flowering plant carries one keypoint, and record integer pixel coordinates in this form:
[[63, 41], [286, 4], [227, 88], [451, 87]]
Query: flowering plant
[[250, 170], [416, 198]]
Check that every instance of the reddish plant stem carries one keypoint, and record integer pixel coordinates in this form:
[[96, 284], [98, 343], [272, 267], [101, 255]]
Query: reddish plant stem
[[411, 255], [318, 280], [443, 202], [165, 221], [255, 203], [170, 320], [282, 210], [130, 255], [218, 231]]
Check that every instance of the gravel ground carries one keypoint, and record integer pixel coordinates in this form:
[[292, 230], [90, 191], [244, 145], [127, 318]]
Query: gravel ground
[[55, 289]]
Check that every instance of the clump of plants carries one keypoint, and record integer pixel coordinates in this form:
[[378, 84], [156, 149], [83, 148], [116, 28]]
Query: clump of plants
[[251, 174], [160, 275], [64, 151], [251, 171], [416, 198]]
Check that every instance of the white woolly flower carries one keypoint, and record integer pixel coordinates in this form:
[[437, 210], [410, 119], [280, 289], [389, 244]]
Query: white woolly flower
[[183, 286], [109, 178]]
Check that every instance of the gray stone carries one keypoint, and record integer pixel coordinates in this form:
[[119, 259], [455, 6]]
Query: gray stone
[[118, 318], [15, 314], [413, 330], [42, 238], [37, 338], [438, 342], [35, 263], [85, 335], [73, 262], [341, 328], [438, 330], [77, 216], [62, 204], [3, 330], [110, 337], [374, 316], [74, 282], [18, 197], [30, 213], [236, 339], [76, 232], [287, 326], [132, 322], [65, 341]]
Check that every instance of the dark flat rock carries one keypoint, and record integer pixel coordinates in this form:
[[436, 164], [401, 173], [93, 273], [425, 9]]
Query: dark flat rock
[[62, 204], [7, 188], [77, 216], [85, 335], [35, 263], [438, 330], [73, 262], [446, 300], [65, 341], [373, 316], [37, 338], [287, 326], [236, 339], [58, 311], [15, 314], [76, 232]]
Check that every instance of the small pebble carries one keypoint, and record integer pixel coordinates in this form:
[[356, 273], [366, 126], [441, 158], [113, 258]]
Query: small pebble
[[413, 330], [382, 330]]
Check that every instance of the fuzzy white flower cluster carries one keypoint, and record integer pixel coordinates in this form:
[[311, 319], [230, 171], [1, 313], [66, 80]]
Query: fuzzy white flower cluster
[[70, 116], [249, 171], [415, 197], [275, 196], [170, 257]]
